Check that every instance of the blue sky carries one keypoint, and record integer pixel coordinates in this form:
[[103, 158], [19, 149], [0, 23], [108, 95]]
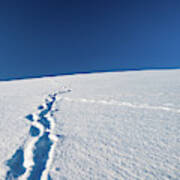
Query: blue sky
[[46, 37]]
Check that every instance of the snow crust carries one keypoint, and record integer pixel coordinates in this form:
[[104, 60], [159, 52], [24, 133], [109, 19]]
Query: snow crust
[[122, 125]]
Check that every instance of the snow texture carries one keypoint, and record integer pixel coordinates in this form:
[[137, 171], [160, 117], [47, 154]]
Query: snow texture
[[100, 126]]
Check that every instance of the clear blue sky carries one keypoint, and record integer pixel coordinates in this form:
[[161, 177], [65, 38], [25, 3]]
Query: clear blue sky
[[43, 37]]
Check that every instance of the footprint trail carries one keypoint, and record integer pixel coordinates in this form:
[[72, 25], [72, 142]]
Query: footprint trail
[[33, 159]]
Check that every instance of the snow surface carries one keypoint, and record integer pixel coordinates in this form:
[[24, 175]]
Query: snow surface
[[122, 125]]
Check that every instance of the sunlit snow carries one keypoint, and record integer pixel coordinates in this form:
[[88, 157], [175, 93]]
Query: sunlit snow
[[101, 126]]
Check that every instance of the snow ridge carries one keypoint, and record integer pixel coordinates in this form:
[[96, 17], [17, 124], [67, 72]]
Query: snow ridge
[[33, 159]]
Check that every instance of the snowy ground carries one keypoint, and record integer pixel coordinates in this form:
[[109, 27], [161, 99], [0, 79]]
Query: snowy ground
[[122, 125]]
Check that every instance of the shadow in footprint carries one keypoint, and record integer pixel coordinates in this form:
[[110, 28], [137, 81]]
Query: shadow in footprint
[[40, 107], [16, 165], [41, 155], [34, 131], [29, 117], [45, 122]]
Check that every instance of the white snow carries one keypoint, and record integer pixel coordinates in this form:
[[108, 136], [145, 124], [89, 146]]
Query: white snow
[[121, 125]]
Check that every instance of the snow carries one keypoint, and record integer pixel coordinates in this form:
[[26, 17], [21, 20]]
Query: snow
[[120, 125]]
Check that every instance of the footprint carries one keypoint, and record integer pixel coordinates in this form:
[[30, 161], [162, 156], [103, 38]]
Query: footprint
[[45, 122], [29, 117], [16, 165], [40, 107], [34, 131], [41, 155]]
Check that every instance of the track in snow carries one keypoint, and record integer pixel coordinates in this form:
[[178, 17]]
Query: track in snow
[[32, 160], [127, 104]]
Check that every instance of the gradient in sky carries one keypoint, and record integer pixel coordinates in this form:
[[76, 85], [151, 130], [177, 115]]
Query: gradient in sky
[[43, 37]]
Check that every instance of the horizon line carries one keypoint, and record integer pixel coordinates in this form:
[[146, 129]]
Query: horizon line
[[87, 72]]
